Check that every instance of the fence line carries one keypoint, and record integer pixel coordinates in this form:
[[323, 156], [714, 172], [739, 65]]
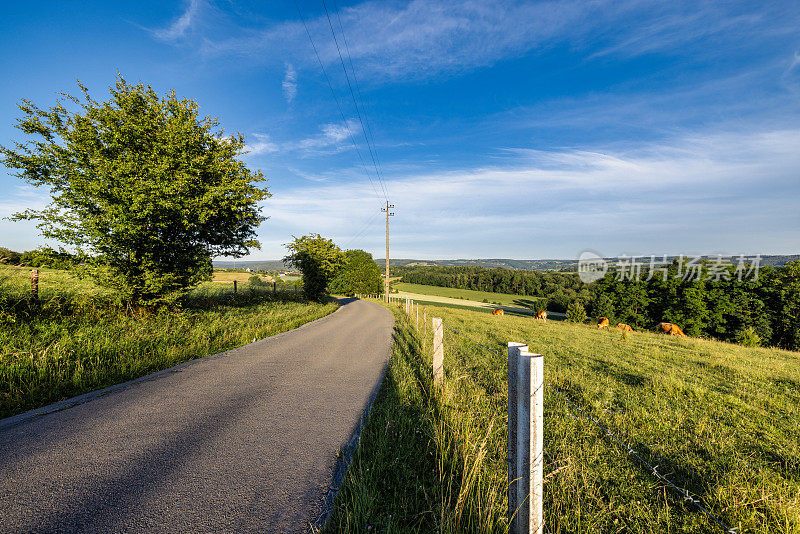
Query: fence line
[[604, 429], [653, 469]]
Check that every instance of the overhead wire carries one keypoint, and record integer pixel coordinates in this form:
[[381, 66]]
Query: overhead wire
[[338, 105], [355, 102], [363, 229], [358, 86]]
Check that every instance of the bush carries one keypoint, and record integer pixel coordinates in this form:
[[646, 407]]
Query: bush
[[748, 337], [256, 281], [576, 313], [9, 257], [359, 274]]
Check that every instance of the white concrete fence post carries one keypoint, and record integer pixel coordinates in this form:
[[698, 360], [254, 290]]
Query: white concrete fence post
[[438, 350], [525, 440]]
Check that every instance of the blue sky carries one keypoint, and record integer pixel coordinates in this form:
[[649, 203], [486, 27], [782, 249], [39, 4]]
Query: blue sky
[[502, 129]]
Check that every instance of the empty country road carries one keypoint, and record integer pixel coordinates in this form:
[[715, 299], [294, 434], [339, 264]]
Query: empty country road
[[243, 441]]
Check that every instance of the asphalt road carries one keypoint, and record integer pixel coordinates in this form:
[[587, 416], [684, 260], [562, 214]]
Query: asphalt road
[[239, 442]]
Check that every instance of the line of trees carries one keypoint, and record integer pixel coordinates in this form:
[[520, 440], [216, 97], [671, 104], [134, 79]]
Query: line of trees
[[326, 268], [560, 289], [714, 302]]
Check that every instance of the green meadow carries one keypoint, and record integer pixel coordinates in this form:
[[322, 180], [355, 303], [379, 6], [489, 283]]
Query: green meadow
[[76, 339], [505, 299], [719, 420]]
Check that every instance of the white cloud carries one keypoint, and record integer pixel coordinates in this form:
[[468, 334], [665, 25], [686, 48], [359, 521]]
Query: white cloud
[[422, 38], [727, 193], [290, 83], [181, 25], [262, 145], [334, 137]]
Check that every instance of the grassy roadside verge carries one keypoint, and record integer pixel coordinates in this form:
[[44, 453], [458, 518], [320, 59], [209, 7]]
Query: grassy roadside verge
[[720, 420], [74, 342], [411, 472]]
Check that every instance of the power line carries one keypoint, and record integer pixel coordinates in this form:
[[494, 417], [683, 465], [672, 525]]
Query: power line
[[355, 103], [355, 79], [362, 230], [358, 86], [338, 105]]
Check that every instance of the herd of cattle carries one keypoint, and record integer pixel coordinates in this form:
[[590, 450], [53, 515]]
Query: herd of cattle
[[602, 322], [665, 328]]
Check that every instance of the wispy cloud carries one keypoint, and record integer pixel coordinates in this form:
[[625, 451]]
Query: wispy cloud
[[421, 38], [332, 138], [262, 145], [716, 193], [290, 83], [178, 28]]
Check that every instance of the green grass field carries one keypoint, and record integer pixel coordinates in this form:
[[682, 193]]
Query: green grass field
[[720, 420], [76, 341], [468, 294]]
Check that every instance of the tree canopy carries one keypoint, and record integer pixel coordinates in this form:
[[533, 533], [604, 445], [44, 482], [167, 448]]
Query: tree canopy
[[359, 274], [318, 259], [147, 187]]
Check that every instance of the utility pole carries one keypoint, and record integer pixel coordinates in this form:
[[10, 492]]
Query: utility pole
[[388, 214]]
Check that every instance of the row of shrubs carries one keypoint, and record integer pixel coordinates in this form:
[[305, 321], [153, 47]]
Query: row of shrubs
[[41, 257]]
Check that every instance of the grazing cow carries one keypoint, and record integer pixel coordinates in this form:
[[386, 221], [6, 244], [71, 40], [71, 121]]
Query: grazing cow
[[602, 322], [542, 315], [671, 329], [497, 311], [624, 327]]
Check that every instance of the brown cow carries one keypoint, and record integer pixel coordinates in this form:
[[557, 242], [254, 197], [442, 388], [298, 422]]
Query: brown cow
[[671, 329], [624, 327], [497, 311], [542, 315], [602, 322]]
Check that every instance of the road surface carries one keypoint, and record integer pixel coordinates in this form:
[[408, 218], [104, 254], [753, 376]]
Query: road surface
[[243, 441]]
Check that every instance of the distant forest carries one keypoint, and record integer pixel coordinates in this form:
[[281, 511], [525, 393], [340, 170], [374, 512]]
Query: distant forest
[[560, 289], [713, 302]]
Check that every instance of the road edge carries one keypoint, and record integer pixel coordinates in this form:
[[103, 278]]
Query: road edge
[[346, 452], [83, 398]]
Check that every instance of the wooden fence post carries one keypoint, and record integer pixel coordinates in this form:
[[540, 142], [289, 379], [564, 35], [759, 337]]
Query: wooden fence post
[[417, 320], [438, 350], [525, 439], [234, 287], [35, 284], [274, 287]]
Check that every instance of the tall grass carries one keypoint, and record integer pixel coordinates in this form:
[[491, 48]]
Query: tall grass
[[720, 420], [75, 338]]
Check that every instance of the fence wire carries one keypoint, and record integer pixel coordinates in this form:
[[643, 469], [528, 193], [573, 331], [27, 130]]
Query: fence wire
[[653, 469]]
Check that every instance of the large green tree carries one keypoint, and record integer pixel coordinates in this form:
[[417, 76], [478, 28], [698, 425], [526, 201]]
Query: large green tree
[[146, 186], [318, 259], [359, 274]]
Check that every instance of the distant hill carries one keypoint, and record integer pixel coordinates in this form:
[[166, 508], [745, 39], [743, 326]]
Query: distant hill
[[524, 265], [528, 265], [262, 265], [551, 264]]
